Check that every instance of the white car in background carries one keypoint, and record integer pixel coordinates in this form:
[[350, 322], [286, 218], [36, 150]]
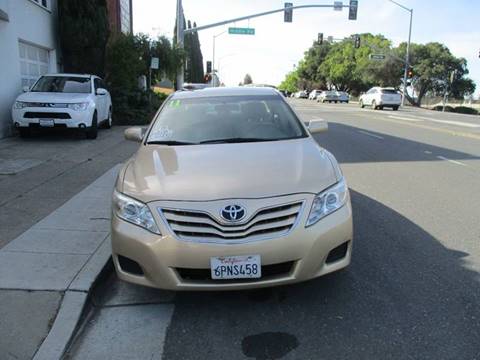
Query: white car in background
[[301, 94], [343, 97], [330, 96], [313, 94], [378, 98], [65, 101]]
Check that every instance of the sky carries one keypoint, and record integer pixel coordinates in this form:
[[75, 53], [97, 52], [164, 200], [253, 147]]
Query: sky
[[277, 46]]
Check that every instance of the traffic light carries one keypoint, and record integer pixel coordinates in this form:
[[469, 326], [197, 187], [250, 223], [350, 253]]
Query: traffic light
[[320, 38], [288, 13], [352, 11], [357, 41], [209, 67], [410, 73]]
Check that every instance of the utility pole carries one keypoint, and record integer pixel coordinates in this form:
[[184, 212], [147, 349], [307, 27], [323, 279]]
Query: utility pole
[[407, 56], [180, 39]]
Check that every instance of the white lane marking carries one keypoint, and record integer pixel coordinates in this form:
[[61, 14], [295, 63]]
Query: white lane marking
[[457, 123], [427, 152], [450, 160], [404, 118], [370, 134]]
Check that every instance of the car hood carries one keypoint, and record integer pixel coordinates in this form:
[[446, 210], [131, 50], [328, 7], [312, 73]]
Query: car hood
[[227, 171], [45, 97]]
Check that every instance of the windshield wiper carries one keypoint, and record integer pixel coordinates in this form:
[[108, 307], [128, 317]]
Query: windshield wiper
[[234, 140], [169, 142]]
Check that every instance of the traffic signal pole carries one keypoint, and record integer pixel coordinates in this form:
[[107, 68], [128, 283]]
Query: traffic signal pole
[[181, 31]]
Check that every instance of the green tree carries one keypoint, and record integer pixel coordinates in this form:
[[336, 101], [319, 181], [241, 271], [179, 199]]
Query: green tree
[[290, 82], [247, 79], [433, 64], [83, 33]]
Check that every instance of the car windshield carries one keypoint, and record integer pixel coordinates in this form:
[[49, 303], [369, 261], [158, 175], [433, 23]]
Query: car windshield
[[63, 84], [225, 119]]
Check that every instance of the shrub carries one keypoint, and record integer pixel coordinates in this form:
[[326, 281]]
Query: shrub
[[125, 64], [465, 110], [440, 108]]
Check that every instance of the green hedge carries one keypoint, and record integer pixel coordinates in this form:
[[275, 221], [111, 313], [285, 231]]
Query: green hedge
[[458, 109]]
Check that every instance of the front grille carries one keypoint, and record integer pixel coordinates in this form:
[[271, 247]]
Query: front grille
[[268, 272], [198, 226], [46, 115]]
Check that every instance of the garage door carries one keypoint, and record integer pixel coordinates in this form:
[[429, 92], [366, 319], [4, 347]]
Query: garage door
[[34, 62]]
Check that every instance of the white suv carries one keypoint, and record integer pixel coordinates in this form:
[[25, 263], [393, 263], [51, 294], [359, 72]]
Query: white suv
[[64, 101], [378, 98]]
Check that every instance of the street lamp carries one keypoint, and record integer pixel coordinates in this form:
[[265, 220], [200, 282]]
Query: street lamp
[[407, 56]]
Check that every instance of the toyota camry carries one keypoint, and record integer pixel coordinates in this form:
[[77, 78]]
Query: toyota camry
[[229, 190]]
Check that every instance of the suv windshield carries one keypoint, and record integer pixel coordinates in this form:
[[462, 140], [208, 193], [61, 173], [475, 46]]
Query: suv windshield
[[63, 84], [225, 119]]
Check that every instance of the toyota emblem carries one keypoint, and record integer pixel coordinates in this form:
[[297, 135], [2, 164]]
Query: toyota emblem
[[233, 213]]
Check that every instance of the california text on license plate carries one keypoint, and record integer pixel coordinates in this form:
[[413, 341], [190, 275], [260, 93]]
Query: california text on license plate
[[236, 267]]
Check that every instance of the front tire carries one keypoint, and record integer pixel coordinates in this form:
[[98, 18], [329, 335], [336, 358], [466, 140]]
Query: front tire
[[362, 105], [395, 108], [92, 131], [374, 105], [108, 122]]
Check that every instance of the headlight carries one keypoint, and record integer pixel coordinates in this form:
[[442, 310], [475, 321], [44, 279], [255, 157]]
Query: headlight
[[327, 202], [134, 211], [78, 106], [19, 105]]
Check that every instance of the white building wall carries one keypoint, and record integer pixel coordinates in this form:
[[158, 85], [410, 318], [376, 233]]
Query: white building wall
[[34, 25]]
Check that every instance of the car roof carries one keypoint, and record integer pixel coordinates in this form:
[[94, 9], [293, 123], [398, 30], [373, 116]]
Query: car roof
[[226, 91], [67, 74]]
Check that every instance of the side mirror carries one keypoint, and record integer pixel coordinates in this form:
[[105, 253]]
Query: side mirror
[[26, 88], [134, 133], [317, 126], [101, 91]]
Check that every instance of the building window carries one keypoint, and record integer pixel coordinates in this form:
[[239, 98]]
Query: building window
[[42, 3], [34, 62], [125, 16]]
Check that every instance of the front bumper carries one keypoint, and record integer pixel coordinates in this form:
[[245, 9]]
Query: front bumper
[[62, 117], [163, 260]]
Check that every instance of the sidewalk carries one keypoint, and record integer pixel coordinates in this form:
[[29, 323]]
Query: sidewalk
[[50, 268]]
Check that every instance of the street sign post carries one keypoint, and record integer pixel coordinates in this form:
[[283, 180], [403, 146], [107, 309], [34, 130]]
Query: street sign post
[[241, 31], [377, 57]]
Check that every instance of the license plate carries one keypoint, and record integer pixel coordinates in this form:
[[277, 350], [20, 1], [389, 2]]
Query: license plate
[[236, 267], [47, 122]]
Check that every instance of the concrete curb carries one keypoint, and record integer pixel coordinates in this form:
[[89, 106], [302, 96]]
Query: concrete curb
[[73, 305]]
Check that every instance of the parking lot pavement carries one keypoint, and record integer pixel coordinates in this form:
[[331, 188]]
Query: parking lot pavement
[[38, 174], [411, 292]]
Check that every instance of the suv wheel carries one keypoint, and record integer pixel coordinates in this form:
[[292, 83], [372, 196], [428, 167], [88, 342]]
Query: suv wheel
[[395, 108], [362, 105], [92, 131], [374, 105]]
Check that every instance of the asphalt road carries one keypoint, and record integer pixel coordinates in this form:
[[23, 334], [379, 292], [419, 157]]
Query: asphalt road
[[411, 292]]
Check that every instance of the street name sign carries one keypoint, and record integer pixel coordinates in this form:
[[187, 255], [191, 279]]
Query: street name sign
[[155, 63], [241, 31], [376, 57]]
